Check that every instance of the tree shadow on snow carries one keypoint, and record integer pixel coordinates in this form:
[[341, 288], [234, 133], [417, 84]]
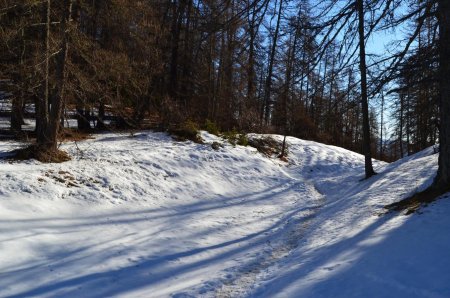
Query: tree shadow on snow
[[149, 270], [376, 262]]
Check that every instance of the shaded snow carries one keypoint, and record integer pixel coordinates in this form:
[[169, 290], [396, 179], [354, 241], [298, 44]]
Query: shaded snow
[[144, 216]]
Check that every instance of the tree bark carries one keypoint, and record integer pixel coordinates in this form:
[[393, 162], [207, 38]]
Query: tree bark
[[251, 60], [17, 119], [177, 22], [381, 127], [42, 103], [400, 133], [268, 85], [56, 102], [442, 180], [364, 98]]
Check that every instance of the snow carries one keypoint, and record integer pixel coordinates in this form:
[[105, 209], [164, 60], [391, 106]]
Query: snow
[[139, 215]]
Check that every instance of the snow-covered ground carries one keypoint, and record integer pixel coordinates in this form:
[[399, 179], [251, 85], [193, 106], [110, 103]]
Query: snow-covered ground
[[144, 216]]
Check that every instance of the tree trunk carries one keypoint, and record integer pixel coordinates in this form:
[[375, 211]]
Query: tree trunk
[[251, 61], [42, 103], [364, 100], [100, 125], [400, 133], [83, 123], [17, 119], [268, 85], [17, 113], [56, 102], [381, 127], [442, 181], [177, 22]]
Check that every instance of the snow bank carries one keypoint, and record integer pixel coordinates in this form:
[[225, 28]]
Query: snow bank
[[144, 216]]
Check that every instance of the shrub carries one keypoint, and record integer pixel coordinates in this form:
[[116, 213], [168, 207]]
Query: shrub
[[212, 127], [242, 139], [188, 130], [267, 145], [235, 138]]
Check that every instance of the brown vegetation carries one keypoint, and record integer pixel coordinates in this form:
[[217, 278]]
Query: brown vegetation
[[40, 154]]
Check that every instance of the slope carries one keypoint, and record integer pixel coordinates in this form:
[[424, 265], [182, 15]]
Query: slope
[[143, 216]]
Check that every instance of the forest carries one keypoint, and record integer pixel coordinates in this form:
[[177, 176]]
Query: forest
[[294, 67], [224, 148]]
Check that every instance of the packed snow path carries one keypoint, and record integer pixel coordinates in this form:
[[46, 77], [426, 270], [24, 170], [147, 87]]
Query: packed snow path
[[143, 216]]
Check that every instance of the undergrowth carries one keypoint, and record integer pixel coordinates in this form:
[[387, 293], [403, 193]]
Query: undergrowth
[[268, 146], [188, 130], [235, 138]]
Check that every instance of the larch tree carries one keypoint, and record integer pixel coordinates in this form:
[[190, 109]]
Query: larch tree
[[50, 106], [442, 181], [364, 97]]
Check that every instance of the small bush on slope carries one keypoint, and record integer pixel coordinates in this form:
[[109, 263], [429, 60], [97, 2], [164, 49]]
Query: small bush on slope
[[212, 127], [189, 130], [267, 145], [235, 138]]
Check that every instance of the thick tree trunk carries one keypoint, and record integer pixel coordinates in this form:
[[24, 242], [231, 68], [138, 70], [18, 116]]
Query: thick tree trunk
[[83, 123], [364, 100], [101, 116], [42, 103], [442, 181], [17, 113], [17, 119], [56, 102]]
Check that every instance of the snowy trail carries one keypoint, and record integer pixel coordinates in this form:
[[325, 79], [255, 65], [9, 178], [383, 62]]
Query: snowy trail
[[143, 216], [248, 277], [243, 281], [179, 218]]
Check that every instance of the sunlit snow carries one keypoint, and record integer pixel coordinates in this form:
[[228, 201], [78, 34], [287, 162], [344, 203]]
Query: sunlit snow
[[144, 216]]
